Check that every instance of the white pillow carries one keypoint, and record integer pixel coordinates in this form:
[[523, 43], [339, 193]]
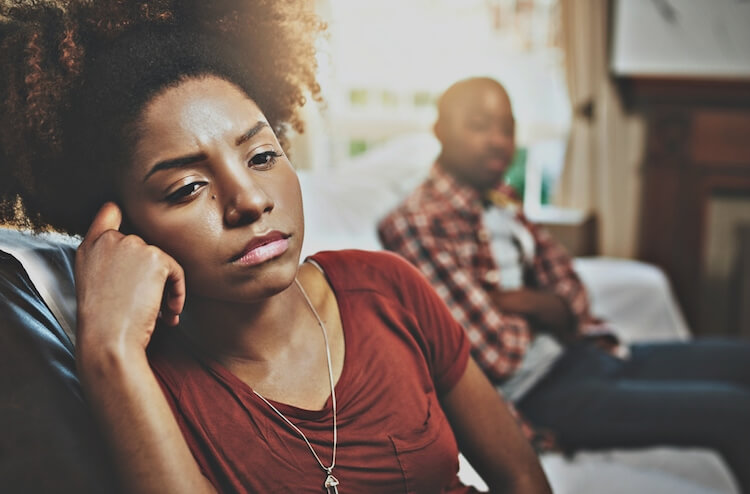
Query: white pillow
[[344, 204], [48, 259]]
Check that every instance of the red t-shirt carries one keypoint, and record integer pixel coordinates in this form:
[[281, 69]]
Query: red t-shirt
[[403, 352]]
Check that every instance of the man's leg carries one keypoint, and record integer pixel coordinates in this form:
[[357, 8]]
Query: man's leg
[[693, 394], [705, 360]]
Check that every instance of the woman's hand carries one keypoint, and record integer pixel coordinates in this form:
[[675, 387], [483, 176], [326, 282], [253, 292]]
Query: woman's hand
[[122, 286]]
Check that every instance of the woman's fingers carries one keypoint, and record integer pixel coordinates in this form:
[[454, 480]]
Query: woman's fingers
[[131, 261], [174, 293], [109, 217]]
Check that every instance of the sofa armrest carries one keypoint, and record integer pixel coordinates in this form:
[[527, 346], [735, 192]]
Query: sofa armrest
[[49, 441]]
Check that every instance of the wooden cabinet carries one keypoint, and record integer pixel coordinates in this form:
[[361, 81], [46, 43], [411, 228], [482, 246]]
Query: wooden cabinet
[[698, 148]]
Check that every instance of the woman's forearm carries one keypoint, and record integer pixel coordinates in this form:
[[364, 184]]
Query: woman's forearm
[[115, 324], [490, 438], [147, 445]]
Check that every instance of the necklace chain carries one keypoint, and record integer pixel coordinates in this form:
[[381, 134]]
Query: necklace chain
[[328, 470]]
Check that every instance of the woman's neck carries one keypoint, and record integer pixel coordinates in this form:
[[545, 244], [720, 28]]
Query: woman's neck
[[256, 331], [276, 344]]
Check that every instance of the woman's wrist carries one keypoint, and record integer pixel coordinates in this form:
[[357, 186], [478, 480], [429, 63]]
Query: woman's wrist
[[107, 360]]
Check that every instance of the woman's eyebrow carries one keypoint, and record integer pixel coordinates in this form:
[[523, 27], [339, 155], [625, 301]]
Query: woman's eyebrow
[[194, 158], [175, 163], [250, 133]]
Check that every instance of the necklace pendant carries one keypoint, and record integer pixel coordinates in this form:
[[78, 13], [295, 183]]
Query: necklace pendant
[[331, 483]]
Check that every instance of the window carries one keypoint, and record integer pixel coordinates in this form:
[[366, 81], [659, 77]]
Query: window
[[384, 64]]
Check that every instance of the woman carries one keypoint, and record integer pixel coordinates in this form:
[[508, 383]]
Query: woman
[[212, 360]]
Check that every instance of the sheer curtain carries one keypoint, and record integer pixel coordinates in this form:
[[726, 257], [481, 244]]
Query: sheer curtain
[[605, 146]]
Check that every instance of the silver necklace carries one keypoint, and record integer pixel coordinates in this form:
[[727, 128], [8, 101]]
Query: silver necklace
[[331, 482]]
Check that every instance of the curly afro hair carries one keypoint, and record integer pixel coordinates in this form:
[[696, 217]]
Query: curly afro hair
[[77, 74]]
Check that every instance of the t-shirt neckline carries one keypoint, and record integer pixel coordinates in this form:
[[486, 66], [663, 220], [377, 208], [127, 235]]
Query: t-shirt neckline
[[238, 385]]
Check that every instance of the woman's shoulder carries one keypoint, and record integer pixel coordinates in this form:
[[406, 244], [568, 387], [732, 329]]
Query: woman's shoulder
[[359, 257], [357, 267], [378, 272]]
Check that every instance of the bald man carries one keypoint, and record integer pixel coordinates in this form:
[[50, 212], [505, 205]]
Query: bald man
[[514, 290]]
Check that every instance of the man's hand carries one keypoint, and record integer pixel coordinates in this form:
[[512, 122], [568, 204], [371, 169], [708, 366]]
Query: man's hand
[[546, 311], [610, 344]]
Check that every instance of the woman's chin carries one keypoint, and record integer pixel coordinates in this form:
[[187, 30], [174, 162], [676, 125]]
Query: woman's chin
[[251, 287]]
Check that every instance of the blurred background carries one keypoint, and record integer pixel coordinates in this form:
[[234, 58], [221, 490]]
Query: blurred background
[[633, 122], [633, 149]]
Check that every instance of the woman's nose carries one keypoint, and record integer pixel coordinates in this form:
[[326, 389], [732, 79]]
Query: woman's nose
[[245, 200]]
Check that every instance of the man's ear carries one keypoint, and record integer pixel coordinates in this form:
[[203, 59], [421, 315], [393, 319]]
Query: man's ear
[[438, 130]]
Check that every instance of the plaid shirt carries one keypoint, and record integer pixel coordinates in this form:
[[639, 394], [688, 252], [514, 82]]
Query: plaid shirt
[[439, 229]]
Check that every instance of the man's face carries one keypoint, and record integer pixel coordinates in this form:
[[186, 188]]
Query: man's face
[[477, 136]]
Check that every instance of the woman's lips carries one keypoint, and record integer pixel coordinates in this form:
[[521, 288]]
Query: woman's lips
[[261, 249]]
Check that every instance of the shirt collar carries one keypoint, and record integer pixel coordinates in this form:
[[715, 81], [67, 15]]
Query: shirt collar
[[461, 197]]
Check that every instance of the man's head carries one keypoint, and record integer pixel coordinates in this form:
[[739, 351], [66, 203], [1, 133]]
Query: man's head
[[476, 129]]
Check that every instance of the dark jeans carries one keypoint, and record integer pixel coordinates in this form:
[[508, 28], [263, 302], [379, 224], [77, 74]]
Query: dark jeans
[[673, 394]]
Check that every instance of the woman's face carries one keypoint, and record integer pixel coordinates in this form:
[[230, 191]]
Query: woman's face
[[211, 186]]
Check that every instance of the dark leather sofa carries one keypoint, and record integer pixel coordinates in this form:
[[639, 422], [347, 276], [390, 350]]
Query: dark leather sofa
[[49, 442]]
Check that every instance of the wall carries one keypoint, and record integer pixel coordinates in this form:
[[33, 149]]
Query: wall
[[696, 38]]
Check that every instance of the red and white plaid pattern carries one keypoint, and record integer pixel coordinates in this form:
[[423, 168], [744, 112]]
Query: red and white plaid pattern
[[439, 229]]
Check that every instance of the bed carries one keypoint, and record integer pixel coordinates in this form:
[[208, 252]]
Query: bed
[[47, 426]]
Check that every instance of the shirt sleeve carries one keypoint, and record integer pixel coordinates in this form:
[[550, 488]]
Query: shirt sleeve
[[498, 341], [447, 348], [553, 270]]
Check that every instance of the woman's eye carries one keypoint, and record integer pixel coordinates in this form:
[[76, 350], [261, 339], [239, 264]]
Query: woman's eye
[[264, 160], [184, 192]]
